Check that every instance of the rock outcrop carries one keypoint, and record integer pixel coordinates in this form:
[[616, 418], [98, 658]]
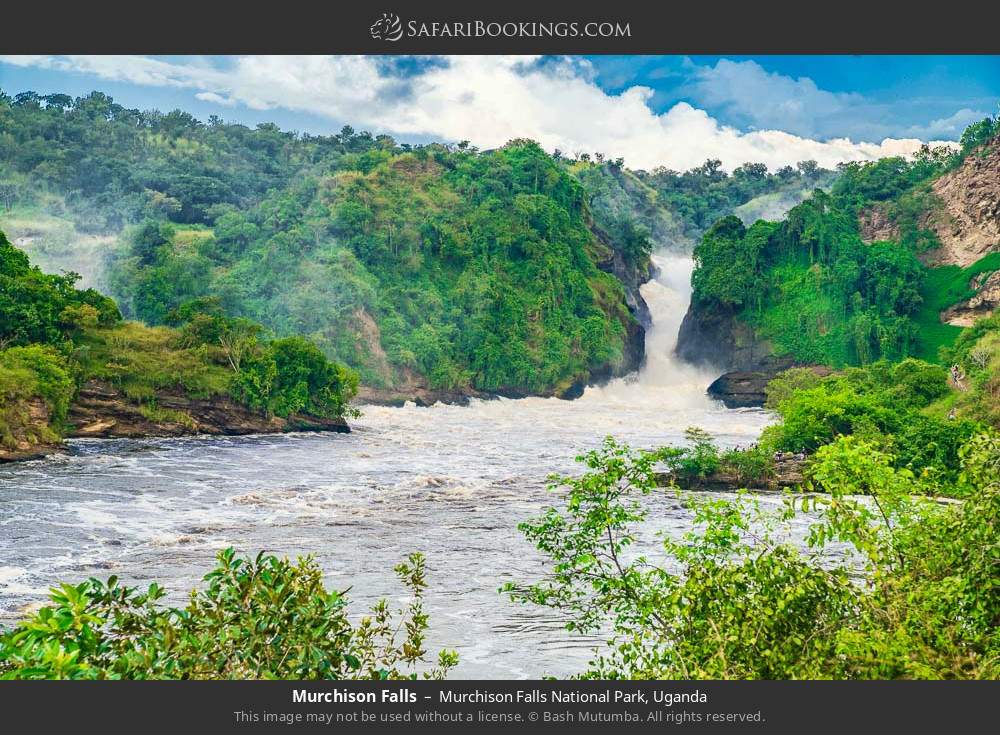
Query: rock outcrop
[[788, 471], [968, 225], [746, 388], [983, 303], [30, 436], [715, 338], [101, 410], [631, 277], [874, 224], [416, 393], [966, 215]]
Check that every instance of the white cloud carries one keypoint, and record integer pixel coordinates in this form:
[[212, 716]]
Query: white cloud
[[491, 99], [744, 91], [765, 99], [948, 127], [217, 99]]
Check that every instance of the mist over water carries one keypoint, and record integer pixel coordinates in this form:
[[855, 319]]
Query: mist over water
[[452, 482]]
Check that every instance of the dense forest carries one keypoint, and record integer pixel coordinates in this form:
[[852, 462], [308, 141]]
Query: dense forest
[[814, 287], [448, 267]]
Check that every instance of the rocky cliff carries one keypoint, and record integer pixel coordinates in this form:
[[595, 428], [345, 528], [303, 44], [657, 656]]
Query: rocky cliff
[[961, 208], [968, 224], [983, 303], [716, 339], [713, 337], [631, 276], [963, 212]]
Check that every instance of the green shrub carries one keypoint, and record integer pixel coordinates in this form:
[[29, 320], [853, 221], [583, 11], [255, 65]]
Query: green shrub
[[38, 307], [35, 372], [814, 417], [292, 375], [748, 465], [785, 383], [142, 361], [261, 618], [885, 403], [700, 458]]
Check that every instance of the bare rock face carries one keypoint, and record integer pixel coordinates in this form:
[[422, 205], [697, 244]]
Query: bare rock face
[[874, 224], [969, 224], [714, 337], [986, 300], [101, 410]]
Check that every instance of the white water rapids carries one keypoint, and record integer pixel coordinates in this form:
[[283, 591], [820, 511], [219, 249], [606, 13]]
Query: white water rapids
[[452, 482]]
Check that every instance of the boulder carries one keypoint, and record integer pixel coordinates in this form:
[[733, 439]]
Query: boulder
[[746, 388]]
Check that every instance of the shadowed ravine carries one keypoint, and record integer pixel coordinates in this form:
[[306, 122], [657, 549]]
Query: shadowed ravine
[[452, 482]]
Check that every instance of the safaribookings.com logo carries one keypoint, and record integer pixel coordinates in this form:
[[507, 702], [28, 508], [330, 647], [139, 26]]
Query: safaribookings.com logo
[[390, 28]]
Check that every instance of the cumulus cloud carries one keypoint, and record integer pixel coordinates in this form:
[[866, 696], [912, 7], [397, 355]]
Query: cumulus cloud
[[765, 99], [490, 99], [745, 92], [948, 127]]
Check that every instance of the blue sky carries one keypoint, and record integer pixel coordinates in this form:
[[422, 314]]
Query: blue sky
[[891, 95], [663, 110]]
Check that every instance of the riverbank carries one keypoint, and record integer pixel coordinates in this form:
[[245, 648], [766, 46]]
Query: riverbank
[[787, 471], [102, 411]]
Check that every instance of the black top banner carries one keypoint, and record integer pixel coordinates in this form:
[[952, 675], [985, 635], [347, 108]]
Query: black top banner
[[446, 26]]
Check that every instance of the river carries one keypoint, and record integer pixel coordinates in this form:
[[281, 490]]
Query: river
[[452, 482]]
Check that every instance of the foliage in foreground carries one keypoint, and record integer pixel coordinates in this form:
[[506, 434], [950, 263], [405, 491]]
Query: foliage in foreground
[[891, 586], [262, 618]]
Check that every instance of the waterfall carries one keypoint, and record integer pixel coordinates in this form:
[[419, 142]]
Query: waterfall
[[663, 379]]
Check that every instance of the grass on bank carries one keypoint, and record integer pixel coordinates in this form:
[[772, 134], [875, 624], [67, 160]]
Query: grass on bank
[[944, 287], [143, 361]]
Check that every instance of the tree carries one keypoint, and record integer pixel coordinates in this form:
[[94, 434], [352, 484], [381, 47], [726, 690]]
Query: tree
[[8, 194], [979, 133]]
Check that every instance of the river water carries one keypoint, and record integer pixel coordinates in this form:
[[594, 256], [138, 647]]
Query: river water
[[452, 482]]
